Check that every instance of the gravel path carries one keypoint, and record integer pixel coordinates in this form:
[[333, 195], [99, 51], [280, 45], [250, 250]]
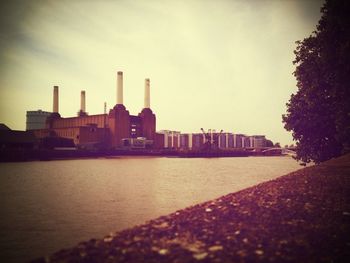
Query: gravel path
[[301, 217]]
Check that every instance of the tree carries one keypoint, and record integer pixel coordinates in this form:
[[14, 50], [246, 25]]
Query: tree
[[319, 113], [268, 143]]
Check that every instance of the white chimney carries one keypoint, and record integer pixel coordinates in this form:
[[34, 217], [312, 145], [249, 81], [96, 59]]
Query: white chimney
[[82, 101], [147, 94], [55, 99], [120, 87]]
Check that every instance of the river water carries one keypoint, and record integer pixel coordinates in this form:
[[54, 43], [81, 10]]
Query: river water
[[47, 206]]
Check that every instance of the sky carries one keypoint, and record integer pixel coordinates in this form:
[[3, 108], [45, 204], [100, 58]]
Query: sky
[[212, 64]]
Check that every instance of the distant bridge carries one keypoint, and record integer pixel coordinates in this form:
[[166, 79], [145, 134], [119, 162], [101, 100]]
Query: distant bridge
[[284, 151]]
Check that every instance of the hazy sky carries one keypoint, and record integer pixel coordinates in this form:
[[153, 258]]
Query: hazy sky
[[212, 64]]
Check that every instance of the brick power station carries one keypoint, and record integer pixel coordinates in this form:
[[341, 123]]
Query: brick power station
[[112, 130]]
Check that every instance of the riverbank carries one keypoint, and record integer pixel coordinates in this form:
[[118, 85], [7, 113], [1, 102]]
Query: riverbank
[[301, 217], [25, 155]]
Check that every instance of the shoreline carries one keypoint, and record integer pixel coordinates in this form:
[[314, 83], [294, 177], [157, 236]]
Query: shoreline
[[299, 217], [27, 155]]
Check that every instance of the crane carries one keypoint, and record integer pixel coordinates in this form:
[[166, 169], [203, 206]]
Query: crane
[[210, 142]]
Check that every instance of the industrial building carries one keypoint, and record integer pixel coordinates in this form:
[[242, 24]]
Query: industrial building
[[36, 119], [116, 129]]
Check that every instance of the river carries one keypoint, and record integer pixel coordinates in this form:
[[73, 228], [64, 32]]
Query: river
[[48, 206]]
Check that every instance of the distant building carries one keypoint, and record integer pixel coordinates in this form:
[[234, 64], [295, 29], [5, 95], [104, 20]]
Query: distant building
[[10, 139], [119, 129], [196, 141], [137, 143], [171, 139], [239, 141], [36, 119], [259, 141], [3, 127], [116, 129]]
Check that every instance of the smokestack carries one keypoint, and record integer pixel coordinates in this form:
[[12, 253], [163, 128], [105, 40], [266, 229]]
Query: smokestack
[[147, 94], [82, 101], [55, 99], [120, 87]]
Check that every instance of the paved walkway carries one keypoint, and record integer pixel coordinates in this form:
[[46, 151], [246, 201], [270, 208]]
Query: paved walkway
[[301, 217]]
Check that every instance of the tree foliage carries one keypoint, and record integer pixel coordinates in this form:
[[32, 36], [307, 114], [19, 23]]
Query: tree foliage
[[277, 144], [319, 113], [269, 143]]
